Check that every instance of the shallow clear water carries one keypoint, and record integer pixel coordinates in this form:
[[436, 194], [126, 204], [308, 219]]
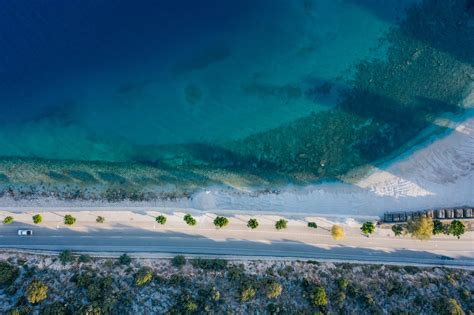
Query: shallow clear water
[[265, 88]]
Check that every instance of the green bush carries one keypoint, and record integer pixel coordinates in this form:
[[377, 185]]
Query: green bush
[[124, 259], [37, 219], [8, 273], [100, 219], [55, 308], [143, 276], [312, 225], [8, 220], [84, 258], [456, 228], [36, 292], [368, 228], [252, 223], [281, 224], [342, 283], [66, 257], [273, 289], [247, 293], [320, 297], [178, 261], [397, 229], [69, 219], [189, 219], [209, 264], [161, 219], [220, 222]]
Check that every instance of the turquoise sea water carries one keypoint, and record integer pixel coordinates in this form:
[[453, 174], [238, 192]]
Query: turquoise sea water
[[274, 91]]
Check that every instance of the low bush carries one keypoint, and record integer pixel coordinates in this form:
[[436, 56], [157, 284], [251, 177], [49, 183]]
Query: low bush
[[247, 293], [55, 308], [209, 264], [337, 232], [37, 219], [320, 297], [421, 228], [273, 289], [66, 257], [8, 273], [178, 261], [368, 228], [312, 225], [36, 292], [456, 228], [100, 219], [161, 219], [281, 224], [189, 219], [124, 259], [69, 219], [397, 229], [8, 220], [220, 222], [252, 223], [84, 258], [143, 276]]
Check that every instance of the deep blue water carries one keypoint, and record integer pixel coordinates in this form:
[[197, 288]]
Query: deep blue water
[[272, 85]]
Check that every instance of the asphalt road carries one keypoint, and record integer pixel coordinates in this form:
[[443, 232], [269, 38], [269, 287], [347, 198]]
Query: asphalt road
[[172, 242]]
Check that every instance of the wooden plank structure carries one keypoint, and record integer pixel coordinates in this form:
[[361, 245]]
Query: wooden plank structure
[[439, 214]]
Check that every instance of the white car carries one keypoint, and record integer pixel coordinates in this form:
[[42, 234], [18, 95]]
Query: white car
[[25, 232]]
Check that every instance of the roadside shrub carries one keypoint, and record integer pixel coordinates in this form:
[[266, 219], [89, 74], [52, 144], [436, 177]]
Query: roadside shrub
[[456, 228], [252, 223], [209, 264], [189, 220], [397, 229], [178, 261], [69, 219], [124, 259], [220, 222], [337, 232], [100, 219], [55, 308], [8, 273], [281, 224], [273, 289], [421, 228], [143, 276], [84, 258], [368, 228], [66, 257], [36, 292], [161, 219], [320, 297], [37, 219], [247, 293], [438, 227], [342, 283], [8, 220], [312, 225]]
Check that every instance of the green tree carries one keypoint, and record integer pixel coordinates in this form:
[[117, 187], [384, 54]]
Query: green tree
[[252, 223], [124, 259], [273, 289], [66, 257], [247, 293], [8, 273], [342, 283], [397, 229], [421, 228], [8, 220], [189, 220], [312, 225], [36, 292], [84, 258], [320, 297], [143, 276], [161, 219], [69, 219], [452, 307], [281, 224], [220, 222], [37, 219], [456, 228], [368, 228], [178, 261], [438, 227], [100, 219]]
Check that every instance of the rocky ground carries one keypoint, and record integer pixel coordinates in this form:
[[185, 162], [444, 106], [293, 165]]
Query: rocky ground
[[85, 285]]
